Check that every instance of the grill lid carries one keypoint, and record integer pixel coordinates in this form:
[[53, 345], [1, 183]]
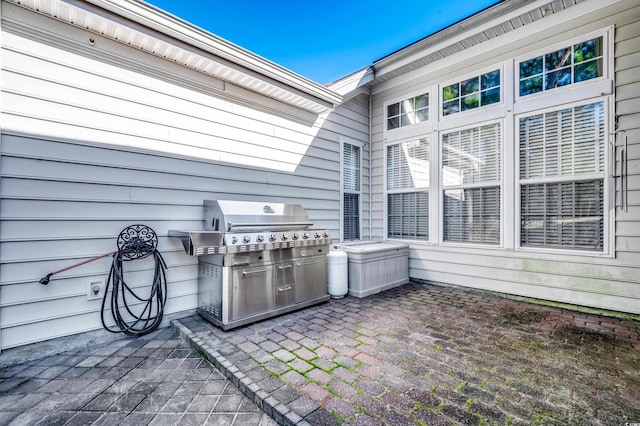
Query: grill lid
[[227, 215]]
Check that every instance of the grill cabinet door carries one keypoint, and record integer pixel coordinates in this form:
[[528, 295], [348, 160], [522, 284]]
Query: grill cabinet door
[[252, 291]]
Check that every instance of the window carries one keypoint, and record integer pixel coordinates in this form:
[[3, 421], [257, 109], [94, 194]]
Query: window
[[569, 65], [472, 93], [351, 191], [471, 183], [408, 112], [562, 168], [408, 189]]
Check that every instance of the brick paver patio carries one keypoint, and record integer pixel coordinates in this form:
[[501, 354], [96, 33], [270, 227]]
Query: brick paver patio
[[424, 354]]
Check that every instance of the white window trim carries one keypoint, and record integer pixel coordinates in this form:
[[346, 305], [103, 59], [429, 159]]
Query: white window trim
[[607, 211], [433, 172], [359, 145], [561, 95], [502, 184]]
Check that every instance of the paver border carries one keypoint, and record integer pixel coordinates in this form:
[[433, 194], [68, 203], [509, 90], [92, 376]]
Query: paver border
[[278, 411]]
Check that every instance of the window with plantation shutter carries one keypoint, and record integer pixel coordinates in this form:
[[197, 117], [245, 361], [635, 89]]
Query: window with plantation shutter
[[351, 191], [471, 178], [562, 169], [408, 189]]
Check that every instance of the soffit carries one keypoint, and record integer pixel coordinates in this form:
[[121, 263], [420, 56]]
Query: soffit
[[486, 25], [192, 47]]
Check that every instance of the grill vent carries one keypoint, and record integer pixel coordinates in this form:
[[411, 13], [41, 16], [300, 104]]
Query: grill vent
[[209, 270]]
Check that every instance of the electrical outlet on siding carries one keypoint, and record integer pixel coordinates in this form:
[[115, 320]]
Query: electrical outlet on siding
[[95, 289]]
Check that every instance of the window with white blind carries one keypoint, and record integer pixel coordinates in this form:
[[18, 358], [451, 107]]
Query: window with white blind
[[471, 179], [351, 158], [562, 170], [408, 189]]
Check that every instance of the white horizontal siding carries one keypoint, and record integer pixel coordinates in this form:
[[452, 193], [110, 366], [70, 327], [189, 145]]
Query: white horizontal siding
[[609, 282], [94, 140]]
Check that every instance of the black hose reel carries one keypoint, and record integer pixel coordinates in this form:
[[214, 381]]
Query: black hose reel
[[133, 315]]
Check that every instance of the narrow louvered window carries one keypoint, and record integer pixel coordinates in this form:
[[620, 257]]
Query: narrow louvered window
[[351, 191], [562, 168], [471, 174], [408, 190]]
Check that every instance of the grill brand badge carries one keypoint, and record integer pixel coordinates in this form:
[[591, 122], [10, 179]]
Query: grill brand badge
[[268, 209]]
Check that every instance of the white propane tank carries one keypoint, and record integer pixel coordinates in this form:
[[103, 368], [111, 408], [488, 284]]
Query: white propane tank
[[338, 276]]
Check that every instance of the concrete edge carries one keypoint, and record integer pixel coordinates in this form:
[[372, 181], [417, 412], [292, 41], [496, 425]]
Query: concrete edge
[[279, 412], [57, 345]]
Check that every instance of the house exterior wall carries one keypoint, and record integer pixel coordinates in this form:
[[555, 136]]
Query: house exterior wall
[[609, 279], [97, 136]]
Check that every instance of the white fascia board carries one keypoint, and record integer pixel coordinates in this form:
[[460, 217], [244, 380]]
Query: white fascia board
[[353, 84], [174, 27], [389, 64]]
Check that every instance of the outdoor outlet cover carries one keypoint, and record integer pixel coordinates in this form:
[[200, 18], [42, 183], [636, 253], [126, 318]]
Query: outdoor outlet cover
[[95, 289]]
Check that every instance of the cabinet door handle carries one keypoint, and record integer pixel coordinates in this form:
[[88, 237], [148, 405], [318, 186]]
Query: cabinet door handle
[[288, 265], [287, 288], [255, 271]]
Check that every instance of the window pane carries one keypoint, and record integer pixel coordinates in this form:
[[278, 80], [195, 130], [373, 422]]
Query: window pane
[[450, 107], [471, 156], [531, 67], [471, 93], [472, 215], [588, 50], [407, 119], [450, 92], [422, 115], [422, 101], [351, 218], [563, 143], [469, 86], [557, 79], [351, 167], [531, 85], [408, 215], [563, 215], [490, 96], [408, 165], [408, 112], [470, 102], [583, 61], [588, 70], [490, 80], [558, 59]]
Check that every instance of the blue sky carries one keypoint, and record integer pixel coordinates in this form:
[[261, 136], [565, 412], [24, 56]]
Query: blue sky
[[323, 41]]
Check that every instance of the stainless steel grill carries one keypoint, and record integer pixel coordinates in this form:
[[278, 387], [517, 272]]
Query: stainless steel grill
[[256, 260]]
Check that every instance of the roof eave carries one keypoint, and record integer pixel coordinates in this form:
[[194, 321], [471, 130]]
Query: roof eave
[[169, 25]]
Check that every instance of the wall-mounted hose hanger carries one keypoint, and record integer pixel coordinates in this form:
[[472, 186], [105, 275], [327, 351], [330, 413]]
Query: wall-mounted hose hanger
[[134, 243]]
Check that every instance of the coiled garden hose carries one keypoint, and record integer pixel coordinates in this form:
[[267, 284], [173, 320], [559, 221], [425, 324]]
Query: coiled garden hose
[[135, 242]]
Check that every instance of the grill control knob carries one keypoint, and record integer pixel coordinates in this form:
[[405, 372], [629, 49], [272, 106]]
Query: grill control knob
[[294, 236], [272, 237], [325, 234], [284, 237], [260, 238], [246, 239], [234, 240], [317, 235], [305, 235]]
